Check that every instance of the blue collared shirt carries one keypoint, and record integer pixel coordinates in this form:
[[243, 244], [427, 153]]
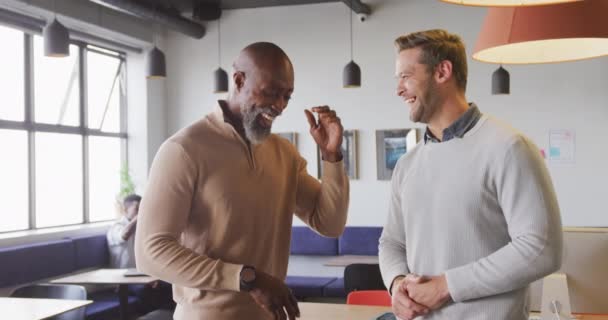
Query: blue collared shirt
[[457, 129]]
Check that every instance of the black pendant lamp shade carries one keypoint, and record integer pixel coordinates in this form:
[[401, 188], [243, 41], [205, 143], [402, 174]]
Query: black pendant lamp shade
[[56, 39], [156, 64], [351, 76], [500, 81], [220, 81], [220, 77]]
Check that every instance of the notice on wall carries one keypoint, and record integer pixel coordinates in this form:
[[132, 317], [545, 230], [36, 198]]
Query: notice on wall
[[562, 146]]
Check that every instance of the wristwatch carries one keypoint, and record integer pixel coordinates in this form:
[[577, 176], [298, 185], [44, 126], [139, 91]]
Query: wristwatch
[[247, 278]]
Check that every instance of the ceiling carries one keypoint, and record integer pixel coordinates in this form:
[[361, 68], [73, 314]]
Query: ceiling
[[187, 5], [186, 15]]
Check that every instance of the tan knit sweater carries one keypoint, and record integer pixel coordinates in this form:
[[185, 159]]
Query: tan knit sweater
[[212, 206]]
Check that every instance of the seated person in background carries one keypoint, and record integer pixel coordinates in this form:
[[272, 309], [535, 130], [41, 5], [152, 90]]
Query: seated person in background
[[121, 240], [121, 243]]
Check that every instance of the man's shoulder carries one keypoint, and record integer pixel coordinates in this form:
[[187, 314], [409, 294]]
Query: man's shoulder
[[500, 133], [506, 139], [196, 134], [281, 142]]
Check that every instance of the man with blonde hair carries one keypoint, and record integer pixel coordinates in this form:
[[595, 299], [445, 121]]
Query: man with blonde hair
[[473, 217]]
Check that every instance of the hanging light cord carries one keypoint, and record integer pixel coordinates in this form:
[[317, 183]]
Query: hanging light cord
[[219, 36], [351, 29]]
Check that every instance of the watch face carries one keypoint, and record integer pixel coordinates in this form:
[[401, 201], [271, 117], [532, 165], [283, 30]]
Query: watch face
[[248, 275]]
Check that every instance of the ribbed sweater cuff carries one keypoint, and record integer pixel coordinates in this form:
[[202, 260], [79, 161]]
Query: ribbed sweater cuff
[[232, 272], [333, 169], [459, 283]]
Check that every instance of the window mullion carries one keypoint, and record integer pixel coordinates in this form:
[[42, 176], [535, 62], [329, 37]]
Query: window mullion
[[29, 119], [84, 124]]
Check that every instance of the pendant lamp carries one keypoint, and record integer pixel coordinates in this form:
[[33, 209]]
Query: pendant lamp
[[500, 81], [156, 66], [543, 34], [220, 77], [56, 37], [56, 40], [351, 75]]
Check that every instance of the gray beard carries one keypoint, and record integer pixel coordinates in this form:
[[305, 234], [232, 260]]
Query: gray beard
[[255, 132]]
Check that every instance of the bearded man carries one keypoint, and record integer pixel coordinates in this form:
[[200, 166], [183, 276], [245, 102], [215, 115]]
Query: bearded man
[[217, 214]]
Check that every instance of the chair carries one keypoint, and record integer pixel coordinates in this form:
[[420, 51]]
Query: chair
[[53, 291], [369, 298], [360, 276]]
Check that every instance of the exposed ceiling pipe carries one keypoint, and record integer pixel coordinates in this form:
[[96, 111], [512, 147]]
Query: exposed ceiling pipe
[[174, 22], [358, 7]]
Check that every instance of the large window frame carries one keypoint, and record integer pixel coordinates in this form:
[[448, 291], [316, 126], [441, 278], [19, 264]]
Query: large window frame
[[31, 127]]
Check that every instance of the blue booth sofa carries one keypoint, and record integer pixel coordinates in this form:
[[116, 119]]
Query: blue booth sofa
[[305, 242], [35, 262]]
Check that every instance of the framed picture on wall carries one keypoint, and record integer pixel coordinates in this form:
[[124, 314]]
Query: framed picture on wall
[[390, 146], [349, 152], [291, 136]]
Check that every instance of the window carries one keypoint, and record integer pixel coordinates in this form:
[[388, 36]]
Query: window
[[56, 90], [59, 191], [11, 78], [62, 169], [104, 77], [14, 206], [104, 176]]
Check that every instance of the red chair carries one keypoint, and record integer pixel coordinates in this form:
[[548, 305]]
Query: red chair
[[369, 298]]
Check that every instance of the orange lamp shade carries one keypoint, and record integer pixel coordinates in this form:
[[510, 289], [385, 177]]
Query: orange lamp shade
[[505, 3], [543, 34]]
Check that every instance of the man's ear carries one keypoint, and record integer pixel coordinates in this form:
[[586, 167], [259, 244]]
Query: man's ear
[[443, 71], [239, 80]]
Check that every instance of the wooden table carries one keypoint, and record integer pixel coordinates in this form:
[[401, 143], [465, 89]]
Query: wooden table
[[536, 315], [331, 311], [36, 308], [109, 276], [345, 260]]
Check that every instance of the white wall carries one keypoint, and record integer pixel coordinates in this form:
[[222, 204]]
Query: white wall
[[544, 97]]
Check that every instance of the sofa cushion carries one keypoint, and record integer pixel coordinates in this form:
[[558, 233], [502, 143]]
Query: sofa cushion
[[91, 251], [303, 287], [304, 241], [360, 241], [28, 263], [335, 289]]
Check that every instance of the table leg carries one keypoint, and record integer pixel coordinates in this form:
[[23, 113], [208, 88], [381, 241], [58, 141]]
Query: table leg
[[123, 296]]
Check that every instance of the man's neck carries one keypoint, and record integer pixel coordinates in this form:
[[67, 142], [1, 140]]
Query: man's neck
[[232, 115], [452, 109]]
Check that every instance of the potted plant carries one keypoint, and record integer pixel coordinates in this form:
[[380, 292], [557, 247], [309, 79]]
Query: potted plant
[[127, 187]]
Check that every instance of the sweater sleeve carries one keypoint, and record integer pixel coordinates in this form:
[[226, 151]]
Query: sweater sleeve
[[529, 204], [323, 206], [163, 216], [392, 250]]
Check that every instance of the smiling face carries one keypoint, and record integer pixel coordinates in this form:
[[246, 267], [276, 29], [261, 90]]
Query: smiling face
[[416, 85], [264, 81], [266, 96]]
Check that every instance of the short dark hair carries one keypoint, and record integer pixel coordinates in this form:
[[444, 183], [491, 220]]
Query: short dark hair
[[131, 198], [438, 45]]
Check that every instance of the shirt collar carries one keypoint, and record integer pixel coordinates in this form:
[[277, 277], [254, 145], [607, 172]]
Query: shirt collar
[[459, 127]]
